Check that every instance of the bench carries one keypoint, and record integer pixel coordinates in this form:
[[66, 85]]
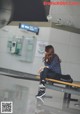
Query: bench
[[68, 89]]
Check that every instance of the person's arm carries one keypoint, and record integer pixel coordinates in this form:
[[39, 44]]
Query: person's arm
[[51, 66], [54, 63]]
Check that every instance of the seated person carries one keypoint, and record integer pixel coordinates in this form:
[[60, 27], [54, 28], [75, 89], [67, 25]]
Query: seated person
[[52, 70]]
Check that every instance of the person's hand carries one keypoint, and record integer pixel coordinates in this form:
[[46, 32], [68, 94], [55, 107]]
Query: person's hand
[[46, 67], [42, 68]]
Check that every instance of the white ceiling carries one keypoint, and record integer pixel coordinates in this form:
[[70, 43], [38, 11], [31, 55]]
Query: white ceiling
[[66, 15]]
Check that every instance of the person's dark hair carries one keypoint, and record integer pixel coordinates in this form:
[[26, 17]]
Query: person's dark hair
[[49, 54], [48, 47]]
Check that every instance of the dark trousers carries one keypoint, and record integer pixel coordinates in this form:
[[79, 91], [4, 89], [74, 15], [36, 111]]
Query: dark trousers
[[48, 73]]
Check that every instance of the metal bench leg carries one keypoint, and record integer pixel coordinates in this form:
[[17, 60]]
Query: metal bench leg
[[66, 99]]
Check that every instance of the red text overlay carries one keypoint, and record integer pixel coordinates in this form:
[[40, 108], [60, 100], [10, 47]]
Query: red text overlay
[[61, 3]]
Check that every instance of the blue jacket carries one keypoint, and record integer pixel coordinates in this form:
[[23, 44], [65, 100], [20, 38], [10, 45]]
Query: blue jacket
[[54, 65]]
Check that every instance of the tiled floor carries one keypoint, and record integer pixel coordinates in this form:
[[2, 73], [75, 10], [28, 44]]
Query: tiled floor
[[22, 93]]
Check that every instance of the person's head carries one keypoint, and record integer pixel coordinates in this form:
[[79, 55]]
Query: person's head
[[49, 53], [49, 49]]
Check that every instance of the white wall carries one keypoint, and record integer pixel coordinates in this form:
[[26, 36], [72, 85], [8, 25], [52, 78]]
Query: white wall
[[12, 62], [67, 46]]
